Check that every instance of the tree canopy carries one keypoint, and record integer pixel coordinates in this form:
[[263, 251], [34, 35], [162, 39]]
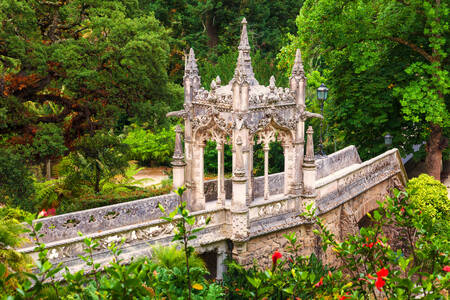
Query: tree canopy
[[93, 60], [388, 68]]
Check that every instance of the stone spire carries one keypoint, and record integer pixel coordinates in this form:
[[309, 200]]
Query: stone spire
[[297, 68], [243, 44], [190, 67], [244, 62]]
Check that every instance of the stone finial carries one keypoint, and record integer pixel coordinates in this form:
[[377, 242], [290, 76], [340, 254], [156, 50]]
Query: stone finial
[[272, 83], [218, 81], [190, 67], [309, 157], [297, 68], [178, 154], [213, 85]]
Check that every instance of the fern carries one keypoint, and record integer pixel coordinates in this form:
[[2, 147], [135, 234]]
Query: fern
[[171, 257]]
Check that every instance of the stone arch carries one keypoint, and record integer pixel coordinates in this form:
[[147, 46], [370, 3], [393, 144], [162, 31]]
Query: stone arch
[[271, 131]]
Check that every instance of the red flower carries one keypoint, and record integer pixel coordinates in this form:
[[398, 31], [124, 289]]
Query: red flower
[[276, 256], [345, 296], [42, 213], [51, 211], [380, 283], [380, 274], [383, 272], [320, 283], [446, 268]]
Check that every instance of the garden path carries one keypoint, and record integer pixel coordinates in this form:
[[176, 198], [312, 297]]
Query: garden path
[[155, 175]]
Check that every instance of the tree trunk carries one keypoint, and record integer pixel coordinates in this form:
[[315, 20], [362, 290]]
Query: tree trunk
[[97, 179], [49, 169], [433, 161], [211, 31]]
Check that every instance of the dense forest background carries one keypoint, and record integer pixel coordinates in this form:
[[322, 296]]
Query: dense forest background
[[85, 85]]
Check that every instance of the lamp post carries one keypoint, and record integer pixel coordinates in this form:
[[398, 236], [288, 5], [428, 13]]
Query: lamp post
[[388, 141], [322, 95]]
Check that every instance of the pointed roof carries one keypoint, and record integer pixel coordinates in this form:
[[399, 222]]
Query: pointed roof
[[243, 44], [190, 67], [244, 61], [297, 68]]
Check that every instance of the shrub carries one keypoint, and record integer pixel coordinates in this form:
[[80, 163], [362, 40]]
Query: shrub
[[96, 159], [147, 147], [429, 196], [98, 200], [16, 183], [170, 257]]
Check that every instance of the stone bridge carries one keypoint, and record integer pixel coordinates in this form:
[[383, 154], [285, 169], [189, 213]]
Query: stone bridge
[[248, 214], [346, 190]]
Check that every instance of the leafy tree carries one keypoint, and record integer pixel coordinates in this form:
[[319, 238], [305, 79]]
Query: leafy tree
[[212, 27], [98, 157], [401, 45], [92, 60], [49, 143], [16, 184], [155, 148]]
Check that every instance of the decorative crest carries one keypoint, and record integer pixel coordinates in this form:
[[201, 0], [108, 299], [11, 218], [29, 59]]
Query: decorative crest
[[297, 69], [191, 64]]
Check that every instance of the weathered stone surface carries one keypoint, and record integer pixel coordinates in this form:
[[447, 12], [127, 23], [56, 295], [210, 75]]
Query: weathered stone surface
[[105, 218]]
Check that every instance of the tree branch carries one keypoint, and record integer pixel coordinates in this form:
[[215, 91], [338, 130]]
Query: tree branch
[[413, 46]]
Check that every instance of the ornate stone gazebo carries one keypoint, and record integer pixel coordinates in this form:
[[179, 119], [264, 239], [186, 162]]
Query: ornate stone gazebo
[[239, 113]]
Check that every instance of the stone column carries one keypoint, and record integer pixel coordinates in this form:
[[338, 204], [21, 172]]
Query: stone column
[[198, 194], [266, 149], [240, 225], [220, 175], [309, 167], [221, 267], [297, 84], [178, 163], [288, 168], [250, 182]]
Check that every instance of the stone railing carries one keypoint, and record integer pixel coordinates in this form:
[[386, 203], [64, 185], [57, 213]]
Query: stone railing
[[347, 183], [136, 238], [337, 161], [105, 218]]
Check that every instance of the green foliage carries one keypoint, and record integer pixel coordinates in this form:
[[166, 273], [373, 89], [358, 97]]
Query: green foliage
[[16, 184], [48, 141], [91, 200], [391, 68], [96, 62], [185, 232], [171, 257], [149, 147], [7, 212], [429, 196], [212, 28], [96, 159]]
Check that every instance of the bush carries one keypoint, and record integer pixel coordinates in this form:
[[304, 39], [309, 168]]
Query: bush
[[147, 147], [16, 183], [429, 196], [99, 200]]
